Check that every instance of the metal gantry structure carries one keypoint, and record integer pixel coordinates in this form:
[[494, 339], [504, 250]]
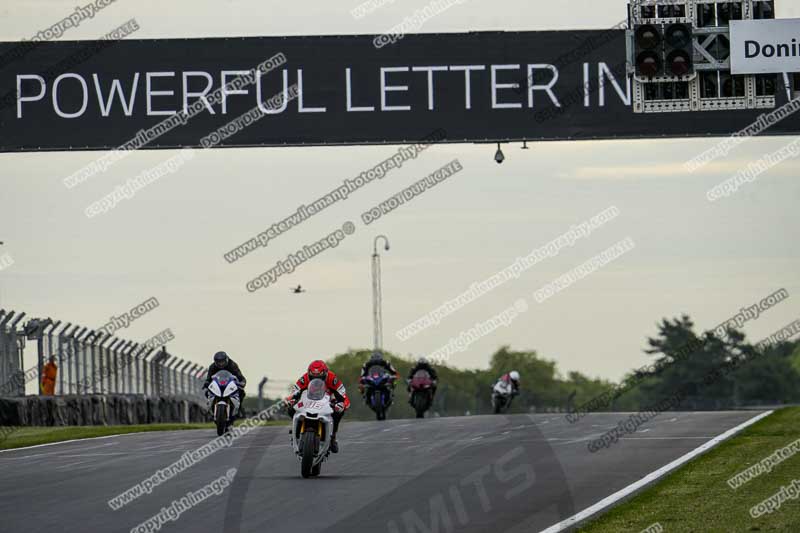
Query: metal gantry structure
[[679, 56], [91, 361]]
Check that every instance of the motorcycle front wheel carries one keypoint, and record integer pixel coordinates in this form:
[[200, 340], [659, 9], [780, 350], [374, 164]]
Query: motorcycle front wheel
[[309, 443], [420, 404], [498, 406], [221, 419]]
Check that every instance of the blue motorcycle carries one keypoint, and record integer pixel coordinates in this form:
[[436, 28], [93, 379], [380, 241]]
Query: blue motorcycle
[[378, 390]]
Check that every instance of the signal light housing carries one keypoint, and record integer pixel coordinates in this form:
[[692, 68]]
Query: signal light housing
[[679, 50], [662, 50], [649, 50]]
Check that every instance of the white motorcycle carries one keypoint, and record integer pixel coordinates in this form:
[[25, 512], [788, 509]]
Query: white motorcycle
[[502, 393], [223, 399], [312, 427]]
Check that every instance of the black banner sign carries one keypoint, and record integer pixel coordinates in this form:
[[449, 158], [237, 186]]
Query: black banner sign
[[275, 91]]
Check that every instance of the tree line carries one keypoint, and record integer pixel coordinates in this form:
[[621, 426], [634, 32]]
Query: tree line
[[710, 371]]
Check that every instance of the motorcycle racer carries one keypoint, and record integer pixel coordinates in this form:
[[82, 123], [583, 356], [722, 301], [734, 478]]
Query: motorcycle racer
[[319, 370], [376, 359], [513, 378]]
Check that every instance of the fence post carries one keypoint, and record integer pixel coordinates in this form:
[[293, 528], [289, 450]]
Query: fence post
[[141, 361], [17, 361], [179, 375], [118, 353], [80, 357], [63, 362], [176, 372], [52, 327], [40, 353], [111, 358], [5, 354], [133, 386], [184, 374], [173, 365], [129, 363], [103, 356], [92, 339], [199, 379], [136, 370], [165, 378], [73, 350], [145, 365], [165, 374], [7, 344], [261, 393], [158, 370]]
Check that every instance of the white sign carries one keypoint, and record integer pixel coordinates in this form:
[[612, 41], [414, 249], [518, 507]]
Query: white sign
[[765, 46]]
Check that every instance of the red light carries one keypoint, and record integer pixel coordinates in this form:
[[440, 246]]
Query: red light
[[649, 64], [679, 63]]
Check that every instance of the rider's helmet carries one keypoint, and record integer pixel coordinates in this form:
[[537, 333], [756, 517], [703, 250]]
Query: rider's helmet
[[221, 359], [514, 375], [318, 370], [376, 357], [422, 361]]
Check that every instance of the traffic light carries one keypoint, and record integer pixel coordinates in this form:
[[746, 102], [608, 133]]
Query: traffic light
[[664, 50], [649, 50], [679, 50], [679, 55]]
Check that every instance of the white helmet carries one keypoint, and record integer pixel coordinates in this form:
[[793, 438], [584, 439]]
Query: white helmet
[[514, 375]]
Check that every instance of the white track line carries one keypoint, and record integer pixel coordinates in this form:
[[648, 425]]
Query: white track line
[[57, 452], [630, 489], [87, 438]]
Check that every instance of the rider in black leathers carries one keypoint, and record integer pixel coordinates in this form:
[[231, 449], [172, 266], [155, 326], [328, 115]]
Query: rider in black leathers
[[376, 359], [223, 362]]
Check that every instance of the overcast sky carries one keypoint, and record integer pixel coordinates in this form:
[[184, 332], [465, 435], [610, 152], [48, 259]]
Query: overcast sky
[[691, 256]]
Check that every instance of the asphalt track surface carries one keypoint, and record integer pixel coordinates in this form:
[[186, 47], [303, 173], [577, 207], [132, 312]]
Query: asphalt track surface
[[480, 473]]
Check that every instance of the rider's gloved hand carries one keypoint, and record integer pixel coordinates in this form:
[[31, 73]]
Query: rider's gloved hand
[[338, 407]]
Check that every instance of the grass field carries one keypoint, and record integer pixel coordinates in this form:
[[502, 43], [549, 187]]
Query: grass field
[[18, 437], [697, 498]]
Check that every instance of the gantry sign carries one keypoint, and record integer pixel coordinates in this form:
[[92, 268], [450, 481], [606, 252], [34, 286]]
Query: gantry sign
[[472, 87]]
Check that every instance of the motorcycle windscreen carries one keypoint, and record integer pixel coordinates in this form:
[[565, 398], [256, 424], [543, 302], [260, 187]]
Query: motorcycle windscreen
[[316, 389], [421, 379], [223, 377], [376, 371]]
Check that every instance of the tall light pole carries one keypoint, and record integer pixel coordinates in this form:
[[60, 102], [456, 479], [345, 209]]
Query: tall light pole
[[377, 315]]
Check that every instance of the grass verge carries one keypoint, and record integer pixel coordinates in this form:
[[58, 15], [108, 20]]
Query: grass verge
[[18, 437], [697, 498]]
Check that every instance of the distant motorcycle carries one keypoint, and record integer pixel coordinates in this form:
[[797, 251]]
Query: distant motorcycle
[[223, 399], [421, 386], [502, 394], [378, 390], [312, 427]]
